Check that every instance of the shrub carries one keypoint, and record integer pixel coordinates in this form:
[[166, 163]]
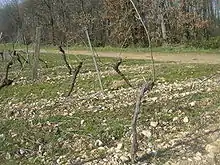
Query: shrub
[[212, 43]]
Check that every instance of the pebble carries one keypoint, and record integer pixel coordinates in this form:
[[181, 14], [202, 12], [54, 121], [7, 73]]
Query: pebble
[[111, 96], [98, 143], [124, 158], [82, 122], [101, 148], [186, 119], [154, 99], [119, 147], [153, 124], [198, 156], [141, 154], [213, 147], [192, 104], [146, 133], [2, 136], [175, 118]]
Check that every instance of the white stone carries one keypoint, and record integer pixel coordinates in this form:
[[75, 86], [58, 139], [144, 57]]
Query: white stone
[[175, 118], [124, 158], [153, 123], [21, 151], [141, 154], [147, 133], [111, 96], [119, 146], [8, 156], [186, 119], [98, 143], [198, 157], [154, 99], [101, 148], [153, 152], [213, 147], [82, 122], [192, 104]]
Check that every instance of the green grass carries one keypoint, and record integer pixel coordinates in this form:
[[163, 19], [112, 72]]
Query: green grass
[[39, 114], [162, 49], [186, 71]]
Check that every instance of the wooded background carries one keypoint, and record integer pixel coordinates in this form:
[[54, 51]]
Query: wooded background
[[111, 22]]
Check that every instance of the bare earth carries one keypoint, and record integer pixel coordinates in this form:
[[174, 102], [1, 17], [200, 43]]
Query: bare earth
[[176, 57]]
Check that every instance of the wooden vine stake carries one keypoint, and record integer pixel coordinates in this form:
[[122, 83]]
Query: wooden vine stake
[[145, 88], [94, 60], [36, 53], [148, 37]]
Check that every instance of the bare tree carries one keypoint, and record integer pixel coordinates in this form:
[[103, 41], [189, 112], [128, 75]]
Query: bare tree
[[172, 21]]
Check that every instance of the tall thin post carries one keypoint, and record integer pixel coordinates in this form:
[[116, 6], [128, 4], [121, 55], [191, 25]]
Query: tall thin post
[[94, 60], [148, 37], [36, 53]]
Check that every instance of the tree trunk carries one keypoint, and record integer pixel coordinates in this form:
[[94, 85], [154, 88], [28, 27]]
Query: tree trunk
[[163, 27]]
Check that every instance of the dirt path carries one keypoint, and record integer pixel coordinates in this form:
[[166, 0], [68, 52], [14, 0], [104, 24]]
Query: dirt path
[[178, 57]]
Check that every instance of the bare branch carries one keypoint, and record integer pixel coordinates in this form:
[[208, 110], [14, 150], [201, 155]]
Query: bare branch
[[116, 68], [65, 60], [6, 81], [75, 73], [45, 62], [17, 56], [2, 55]]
